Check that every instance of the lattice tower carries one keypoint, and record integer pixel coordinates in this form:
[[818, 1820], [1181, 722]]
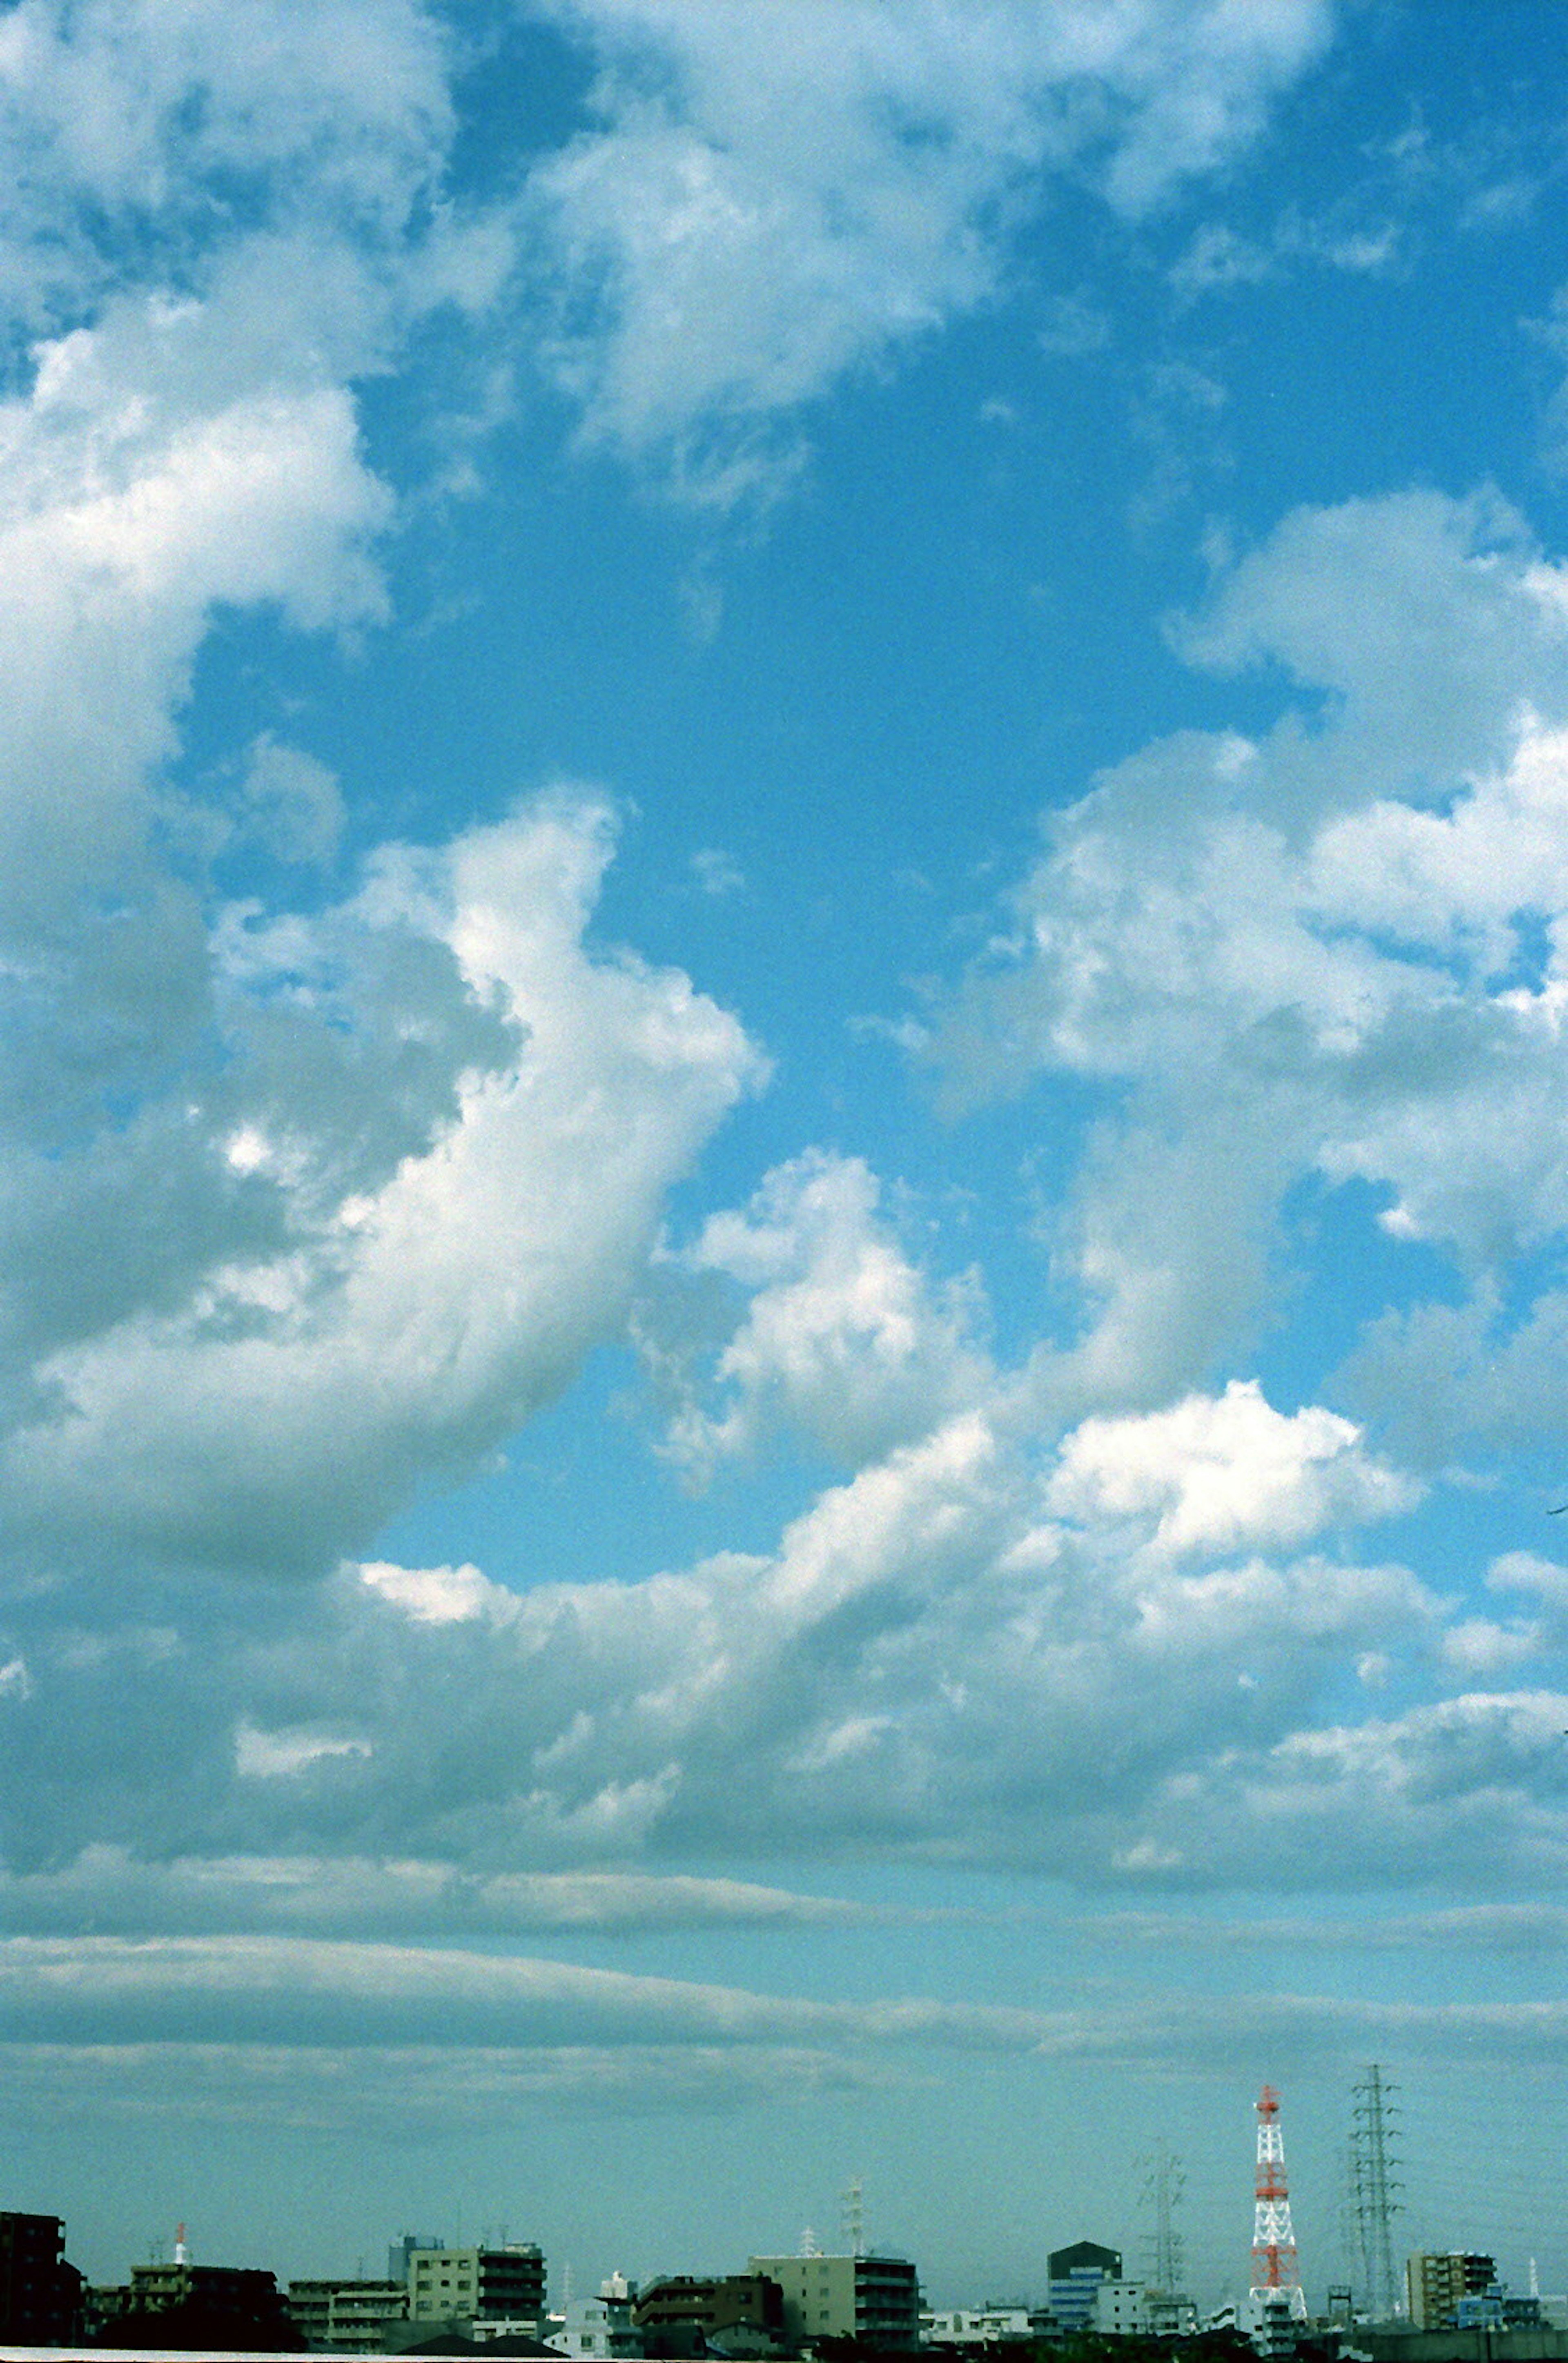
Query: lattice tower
[[1162, 2195], [1372, 2186], [1276, 2268]]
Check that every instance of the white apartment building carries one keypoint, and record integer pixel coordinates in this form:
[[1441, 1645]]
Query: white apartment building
[[985, 2326], [1121, 2310]]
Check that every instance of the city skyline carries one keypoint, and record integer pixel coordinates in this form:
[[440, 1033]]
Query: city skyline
[[424, 2263], [783, 941]]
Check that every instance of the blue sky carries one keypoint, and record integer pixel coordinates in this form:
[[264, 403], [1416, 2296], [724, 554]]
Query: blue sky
[[782, 873]]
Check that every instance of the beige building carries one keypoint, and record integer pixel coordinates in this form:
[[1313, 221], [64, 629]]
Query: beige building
[[468, 2285], [348, 2317], [1435, 2284], [874, 2298]]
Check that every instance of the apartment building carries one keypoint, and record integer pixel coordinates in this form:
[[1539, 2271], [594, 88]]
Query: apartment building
[[874, 2298]]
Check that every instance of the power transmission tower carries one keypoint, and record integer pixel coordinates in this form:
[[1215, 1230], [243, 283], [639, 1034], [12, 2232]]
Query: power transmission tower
[[1163, 2189], [1373, 2183], [1276, 2268], [853, 2218], [1171, 2310]]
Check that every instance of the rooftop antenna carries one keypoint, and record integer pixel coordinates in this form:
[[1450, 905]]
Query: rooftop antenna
[[852, 2220]]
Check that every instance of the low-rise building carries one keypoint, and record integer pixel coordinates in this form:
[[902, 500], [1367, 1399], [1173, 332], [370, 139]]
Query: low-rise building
[[399, 2254], [245, 2293], [595, 2326], [344, 2317], [687, 2313], [876, 2299], [985, 2326], [1436, 2285], [1170, 2314], [492, 2285], [1076, 2272], [40, 2294], [1273, 2326], [239, 2289], [1121, 2310]]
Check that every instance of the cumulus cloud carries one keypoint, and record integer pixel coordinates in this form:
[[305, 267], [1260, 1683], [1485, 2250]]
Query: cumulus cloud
[[976, 1645], [125, 120], [435, 1596], [305, 1208], [208, 233], [278, 1755], [414, 1308], [125, 515], [294, 803], [1225, 1473], [842, 1338], [1329, 953], [1478, 1774], [782, 193]]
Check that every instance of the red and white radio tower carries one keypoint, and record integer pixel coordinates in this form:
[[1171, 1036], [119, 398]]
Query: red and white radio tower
[[1276, 2269]]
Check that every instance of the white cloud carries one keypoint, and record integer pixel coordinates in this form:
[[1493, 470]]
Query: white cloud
[[434, 1595], [717, 874], [295, 802], [209, 230], [1529, 1571], [397, 2091], [274, 1981], [1226, 1473], [280, 1754], [1477, 1776], [1331, 953], [125, 515], [920, 1657], [134, 116], [1074, 327], [781, 194], [110, 1889], [1478, 1646], [842, 1338], [381, 1173], [282, 1400], [481, 2033], [1217, 257]]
